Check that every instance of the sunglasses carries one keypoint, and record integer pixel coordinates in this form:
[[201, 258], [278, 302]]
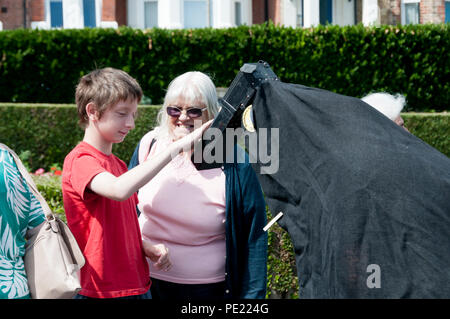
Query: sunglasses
[[193, 112]]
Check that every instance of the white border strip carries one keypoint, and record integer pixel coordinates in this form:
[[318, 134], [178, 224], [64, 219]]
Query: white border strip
[[273, 221]]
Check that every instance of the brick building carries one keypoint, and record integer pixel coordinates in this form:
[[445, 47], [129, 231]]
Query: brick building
[[413, 11], [15, 14], [48, 14], [306, 13]]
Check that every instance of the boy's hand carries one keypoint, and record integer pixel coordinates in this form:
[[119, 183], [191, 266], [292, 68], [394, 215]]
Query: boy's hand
[[158, 254], [188, 142]]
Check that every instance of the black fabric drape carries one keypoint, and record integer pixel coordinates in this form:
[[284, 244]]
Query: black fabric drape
[[356, 191]]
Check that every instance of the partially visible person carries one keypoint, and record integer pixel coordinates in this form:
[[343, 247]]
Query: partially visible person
[[388, 104], [99, 194], [20, 211], [211, 220]]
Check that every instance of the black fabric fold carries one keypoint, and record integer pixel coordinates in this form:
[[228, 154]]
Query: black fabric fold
[[357, 192]]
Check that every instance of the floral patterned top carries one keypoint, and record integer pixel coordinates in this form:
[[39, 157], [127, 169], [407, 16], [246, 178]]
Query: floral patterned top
[[19, 211]]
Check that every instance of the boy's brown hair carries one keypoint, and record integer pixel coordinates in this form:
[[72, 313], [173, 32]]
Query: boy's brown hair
[[104, 88]]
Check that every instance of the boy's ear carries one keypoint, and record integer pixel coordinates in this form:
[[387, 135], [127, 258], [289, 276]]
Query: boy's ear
[[91, 111]]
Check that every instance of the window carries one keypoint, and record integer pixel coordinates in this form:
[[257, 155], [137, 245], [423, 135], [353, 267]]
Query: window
[[326, 11], [89, 13], [447, 11], [237, 13], [56, 14], [211, 13], [195, 14], [410, 12], [299, 14], [150, 14]]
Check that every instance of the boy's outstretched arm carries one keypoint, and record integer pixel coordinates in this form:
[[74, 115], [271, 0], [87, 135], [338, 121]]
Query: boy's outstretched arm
[[122, 187]]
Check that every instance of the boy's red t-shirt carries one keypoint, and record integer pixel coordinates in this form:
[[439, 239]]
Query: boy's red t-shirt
[[107, 231]]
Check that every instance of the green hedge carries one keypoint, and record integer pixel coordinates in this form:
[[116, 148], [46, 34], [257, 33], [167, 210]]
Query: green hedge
[[45, 65], [45, 133], [50, 187], [433, 128]]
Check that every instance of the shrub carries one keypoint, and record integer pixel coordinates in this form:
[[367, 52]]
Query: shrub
[[282, 280], [45, 65], [52, 131], [50, 188], [432, 128]]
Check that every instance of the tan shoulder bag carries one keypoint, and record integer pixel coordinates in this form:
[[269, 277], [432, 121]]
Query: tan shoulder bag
[[52, 256]]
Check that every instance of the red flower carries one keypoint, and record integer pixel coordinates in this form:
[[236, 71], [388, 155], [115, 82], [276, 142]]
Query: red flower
[[58, 172]]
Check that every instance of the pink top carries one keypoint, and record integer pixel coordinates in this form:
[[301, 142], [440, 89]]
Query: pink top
[[185, 209]]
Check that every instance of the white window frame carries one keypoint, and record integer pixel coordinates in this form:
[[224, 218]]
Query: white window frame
[[403, 9], [340, 12], [171, 13], [67, 12], [241, 13], [157, 14], [208, 9], [136, 13]]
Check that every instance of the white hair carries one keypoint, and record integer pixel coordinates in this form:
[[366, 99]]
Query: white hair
[[389, 105], [193, 86]]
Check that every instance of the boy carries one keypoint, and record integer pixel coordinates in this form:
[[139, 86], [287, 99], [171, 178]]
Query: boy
[[99, 194]]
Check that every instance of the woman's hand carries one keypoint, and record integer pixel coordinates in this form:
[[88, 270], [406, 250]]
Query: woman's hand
[[158, 254]]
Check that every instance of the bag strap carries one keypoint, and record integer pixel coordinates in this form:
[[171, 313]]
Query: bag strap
[[150, 147], [47, 211]]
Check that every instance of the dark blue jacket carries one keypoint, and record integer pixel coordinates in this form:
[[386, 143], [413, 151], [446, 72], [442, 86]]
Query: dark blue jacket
[[246, 241]]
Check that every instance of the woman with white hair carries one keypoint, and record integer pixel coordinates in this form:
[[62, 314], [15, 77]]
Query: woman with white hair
[[389, 105], [211, 220]]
